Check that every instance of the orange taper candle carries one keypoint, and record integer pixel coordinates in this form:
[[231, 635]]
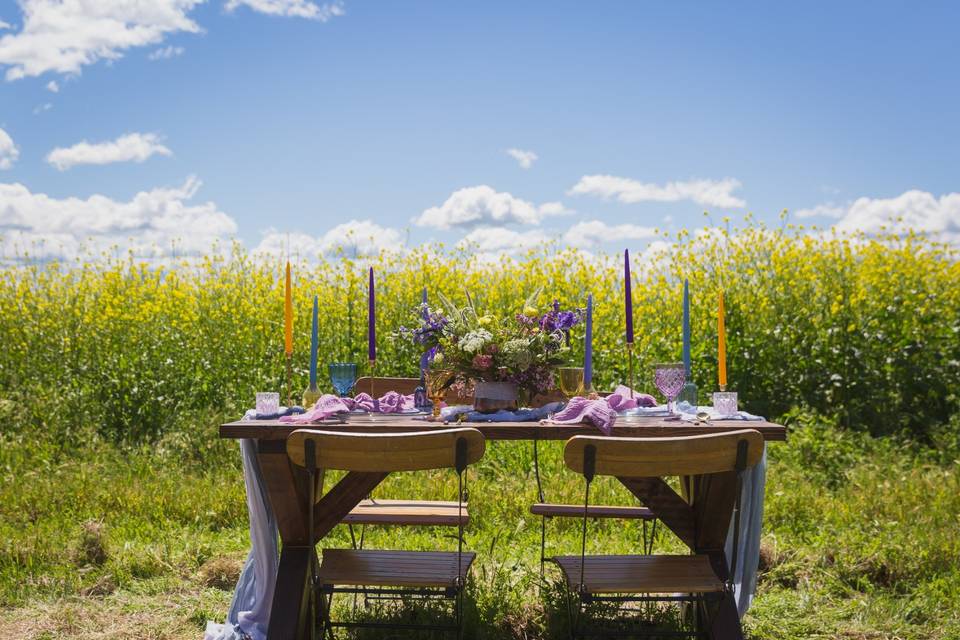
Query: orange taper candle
[[288, 316], [721, 345]]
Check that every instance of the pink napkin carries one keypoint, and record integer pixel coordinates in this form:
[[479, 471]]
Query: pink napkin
[[596, 412], [620, 399], [329, 405]]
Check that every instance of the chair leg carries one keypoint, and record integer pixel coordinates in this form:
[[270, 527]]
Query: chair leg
[[543, 544]]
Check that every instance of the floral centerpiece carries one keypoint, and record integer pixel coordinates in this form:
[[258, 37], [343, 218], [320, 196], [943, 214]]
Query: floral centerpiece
[[521, 349]]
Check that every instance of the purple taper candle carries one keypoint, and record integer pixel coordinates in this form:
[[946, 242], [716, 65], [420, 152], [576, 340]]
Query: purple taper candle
[[588, 347], [371, 321], [628, 295]]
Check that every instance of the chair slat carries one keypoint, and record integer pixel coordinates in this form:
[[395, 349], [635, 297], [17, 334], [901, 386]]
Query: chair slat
[[649, 457], [641, 574], [385, 452]]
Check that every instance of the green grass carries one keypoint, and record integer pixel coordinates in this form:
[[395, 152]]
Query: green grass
[[860, 538]]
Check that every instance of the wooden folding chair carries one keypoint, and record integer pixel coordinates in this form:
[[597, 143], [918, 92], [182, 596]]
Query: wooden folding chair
[[715, 465], [368, 459], [548, 510], [426, 513]]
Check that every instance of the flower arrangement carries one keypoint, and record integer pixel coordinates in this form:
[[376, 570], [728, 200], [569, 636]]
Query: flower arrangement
[[523, 348]]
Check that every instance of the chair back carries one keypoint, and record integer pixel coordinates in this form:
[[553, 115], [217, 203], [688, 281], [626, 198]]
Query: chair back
[[387, 452], [655, 457]]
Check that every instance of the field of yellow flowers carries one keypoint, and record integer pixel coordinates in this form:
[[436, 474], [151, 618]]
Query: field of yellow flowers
[[119, 506]]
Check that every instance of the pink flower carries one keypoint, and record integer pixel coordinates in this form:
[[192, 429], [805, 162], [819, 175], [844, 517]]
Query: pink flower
[[482, 361]]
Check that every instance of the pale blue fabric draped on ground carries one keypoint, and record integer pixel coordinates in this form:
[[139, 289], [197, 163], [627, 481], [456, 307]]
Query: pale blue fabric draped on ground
[[249, 614]]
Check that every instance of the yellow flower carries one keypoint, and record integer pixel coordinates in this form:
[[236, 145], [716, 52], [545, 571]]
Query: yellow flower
[[530, 312]]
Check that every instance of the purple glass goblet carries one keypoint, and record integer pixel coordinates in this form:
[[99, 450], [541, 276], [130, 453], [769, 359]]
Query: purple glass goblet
[[669, 379]]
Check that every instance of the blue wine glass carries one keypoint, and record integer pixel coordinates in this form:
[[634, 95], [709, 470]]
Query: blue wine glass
[[343, 375]]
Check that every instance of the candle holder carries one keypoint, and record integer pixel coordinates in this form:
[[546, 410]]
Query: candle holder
[[725, 403], [689, 394], [310, 395]]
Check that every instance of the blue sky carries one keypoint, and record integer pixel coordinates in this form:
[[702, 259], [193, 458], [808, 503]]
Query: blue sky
[[256, 119]]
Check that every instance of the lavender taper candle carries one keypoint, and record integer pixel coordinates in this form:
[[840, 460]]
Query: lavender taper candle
[[628, 295], [371, 321], [686, 327], [588, 347], [314, 340]]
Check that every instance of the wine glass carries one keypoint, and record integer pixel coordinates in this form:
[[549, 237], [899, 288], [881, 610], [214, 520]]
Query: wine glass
[[343, 375], [571, 381], [437, 382], [669, 379]]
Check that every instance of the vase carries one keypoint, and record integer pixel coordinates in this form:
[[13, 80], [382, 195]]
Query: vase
[[490, 397]]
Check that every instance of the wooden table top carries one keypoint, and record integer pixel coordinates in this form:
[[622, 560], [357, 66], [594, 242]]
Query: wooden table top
[[646, 427]]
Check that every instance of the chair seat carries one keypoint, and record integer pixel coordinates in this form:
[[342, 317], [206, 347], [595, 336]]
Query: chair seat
[[641, 574], [379, 568], [551, 510], [407, 512]]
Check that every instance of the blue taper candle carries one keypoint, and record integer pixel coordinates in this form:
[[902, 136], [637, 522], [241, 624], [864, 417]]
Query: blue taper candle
[[588, 347], [686, 327], [314, 339]]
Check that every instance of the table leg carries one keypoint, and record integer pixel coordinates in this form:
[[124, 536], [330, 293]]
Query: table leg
[[289, 613]]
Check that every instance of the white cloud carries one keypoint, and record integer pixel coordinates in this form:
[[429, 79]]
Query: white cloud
[[524, 158], [291, 8], [132, 147], [825, 210], [8, 150], [5, 25], [912, 210], [40, 108], [64, 36], [357, 238], [165, 53], [498, 240], [475, 206], [153, 223], [53, 87], [714, 193], [589, 234]]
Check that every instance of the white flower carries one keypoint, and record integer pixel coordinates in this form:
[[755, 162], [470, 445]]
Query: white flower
[[475, 340]]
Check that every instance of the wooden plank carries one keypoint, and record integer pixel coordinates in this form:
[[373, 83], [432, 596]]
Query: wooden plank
[[648, 457], [641, 574], [408, 512], [645, 428], [670, 508], [290, 608], [284, 488], [392, 568], [552, 510], [374, 452]]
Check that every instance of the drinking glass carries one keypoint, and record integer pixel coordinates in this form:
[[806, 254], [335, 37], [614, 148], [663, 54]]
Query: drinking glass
[[725, 403], [268, 403], [571, 381], [343, 375], [669, 378], [437, 382]]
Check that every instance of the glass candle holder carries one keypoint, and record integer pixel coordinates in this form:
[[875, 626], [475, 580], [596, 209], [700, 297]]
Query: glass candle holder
[[268, 403], [725, 402]]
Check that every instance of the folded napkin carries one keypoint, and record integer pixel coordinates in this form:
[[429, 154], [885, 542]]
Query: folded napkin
[[330, 405], [620, 399], [520, 415], [283, 411], [689, 413], [599, 413]]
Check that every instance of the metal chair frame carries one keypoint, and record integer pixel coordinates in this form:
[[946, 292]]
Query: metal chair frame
[[321, 596], [576, 614]]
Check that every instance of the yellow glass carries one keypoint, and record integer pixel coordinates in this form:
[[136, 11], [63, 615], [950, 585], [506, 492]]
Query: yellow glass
[[437, 381], [571, 381]]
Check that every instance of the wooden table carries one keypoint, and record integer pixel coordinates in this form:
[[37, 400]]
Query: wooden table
[[287, 488]]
